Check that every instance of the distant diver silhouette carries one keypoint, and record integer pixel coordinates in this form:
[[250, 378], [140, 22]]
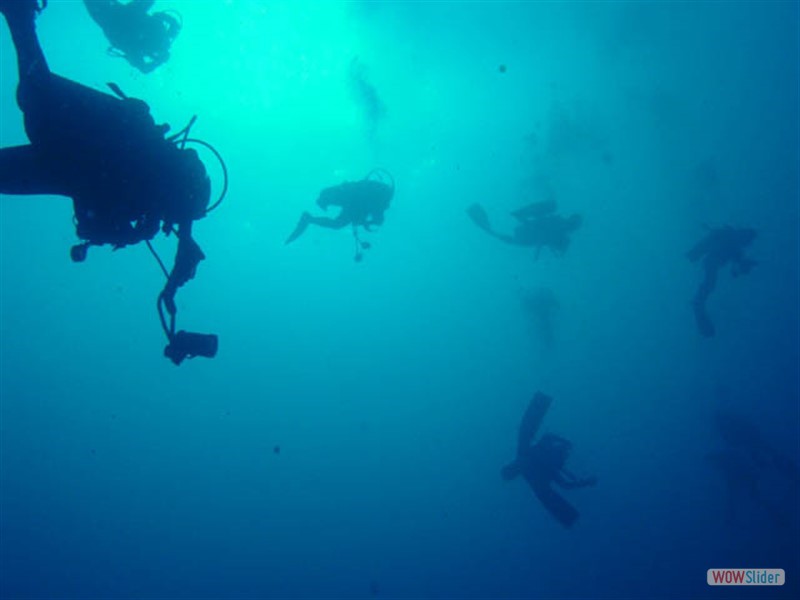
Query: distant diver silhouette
[[720, 246], [362, 203], [538, 226], [143, 39], [543, 463]]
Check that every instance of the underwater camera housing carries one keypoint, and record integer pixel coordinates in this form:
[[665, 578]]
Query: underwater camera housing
[[186, 344]]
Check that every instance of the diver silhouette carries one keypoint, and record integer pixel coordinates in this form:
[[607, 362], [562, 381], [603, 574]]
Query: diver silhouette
[[538, 227], [543, 463], [362, 203], [751, 467], [721, 246], [106, 153], [143, 39]]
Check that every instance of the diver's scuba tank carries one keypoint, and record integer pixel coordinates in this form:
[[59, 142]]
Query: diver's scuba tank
[[535, 210]]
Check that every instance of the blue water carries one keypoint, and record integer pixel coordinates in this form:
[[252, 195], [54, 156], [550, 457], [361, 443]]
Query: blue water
[[393, 387]]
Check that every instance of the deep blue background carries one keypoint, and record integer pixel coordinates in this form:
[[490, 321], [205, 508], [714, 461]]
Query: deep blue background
[[394, 387]]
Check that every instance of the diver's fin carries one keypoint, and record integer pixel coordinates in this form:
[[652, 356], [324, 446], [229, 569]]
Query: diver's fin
[[556, 504], [479, 217], [301, 226], [532, 420], [535, 210]]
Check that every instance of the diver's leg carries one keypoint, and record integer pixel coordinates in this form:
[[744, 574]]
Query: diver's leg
[[706, 286], [704, 325], [20, 16], [23, 172], [307, 219], [338, 223]]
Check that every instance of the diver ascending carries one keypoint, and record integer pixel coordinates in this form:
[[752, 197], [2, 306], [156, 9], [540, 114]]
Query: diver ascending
[[362, 203], [542, 464], [143, 39], [538, 226], [126, 179], [718, 248]]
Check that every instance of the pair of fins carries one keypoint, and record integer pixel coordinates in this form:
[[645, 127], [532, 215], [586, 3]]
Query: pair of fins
[[561, 510]]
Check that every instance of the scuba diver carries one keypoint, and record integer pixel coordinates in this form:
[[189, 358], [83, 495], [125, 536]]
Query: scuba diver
[[538, 226], [718, 248], [741, 476], [543, 463], [140, 38], [746, 461], [362, 204], [741, 434], [125, 178]]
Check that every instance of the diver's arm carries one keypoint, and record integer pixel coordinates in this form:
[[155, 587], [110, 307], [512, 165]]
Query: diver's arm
[[568, 481], [187, 258], [373, 221]]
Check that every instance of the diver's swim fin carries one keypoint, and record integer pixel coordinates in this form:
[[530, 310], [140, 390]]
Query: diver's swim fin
[[302, 224], [556, 504], [704, 325], [532, 420], [479, 217]]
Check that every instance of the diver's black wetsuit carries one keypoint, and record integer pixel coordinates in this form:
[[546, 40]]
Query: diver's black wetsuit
[[143, 39], [362, 203], [543, 463], [538, 227], [107, 154], [720, 247]]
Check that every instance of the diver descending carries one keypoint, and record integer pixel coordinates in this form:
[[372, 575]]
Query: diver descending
[[543, 463], [538, 226], [126, 179], [362, 203], [754, 471], [721, 246], [143, 39]]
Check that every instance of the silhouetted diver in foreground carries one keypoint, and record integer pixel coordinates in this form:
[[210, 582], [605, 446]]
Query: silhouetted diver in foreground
[[543, 463], [718, 248], [362, 203], [125, 178], [538, 227], [143, 39]]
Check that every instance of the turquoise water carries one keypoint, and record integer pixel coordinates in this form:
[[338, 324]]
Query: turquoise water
[[393, 387]]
